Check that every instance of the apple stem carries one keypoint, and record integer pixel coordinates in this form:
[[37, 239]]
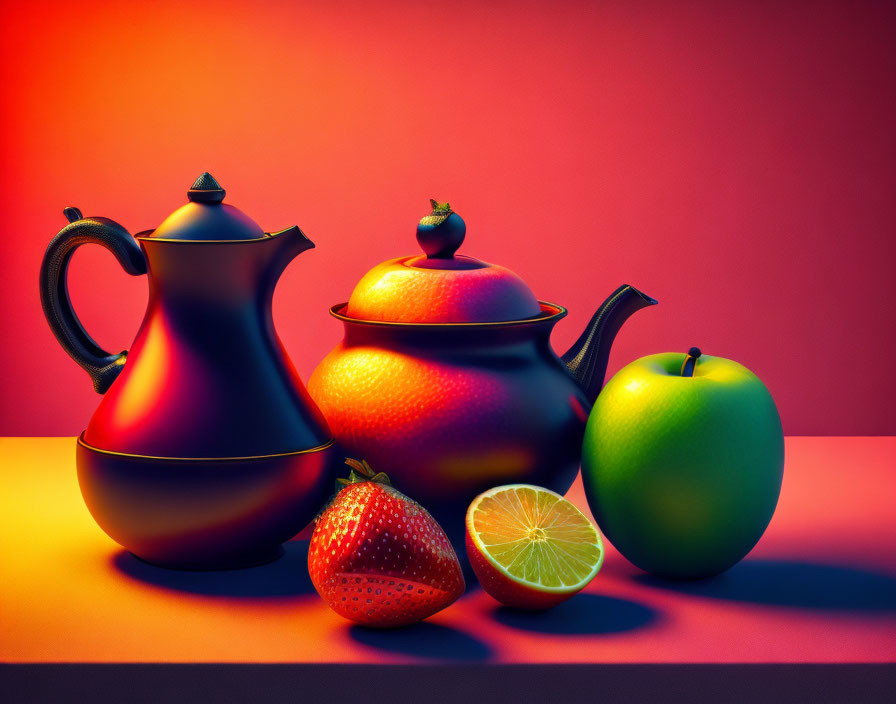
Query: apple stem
[[690, 361]]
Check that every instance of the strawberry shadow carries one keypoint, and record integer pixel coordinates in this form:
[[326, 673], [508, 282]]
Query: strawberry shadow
[[583, 614], [423, 640], [283, 578], [793, 583]]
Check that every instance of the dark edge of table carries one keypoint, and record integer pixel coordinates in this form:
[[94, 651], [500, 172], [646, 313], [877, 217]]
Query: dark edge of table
[[455, 683]]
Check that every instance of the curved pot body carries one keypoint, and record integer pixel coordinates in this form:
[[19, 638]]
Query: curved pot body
[[450, 410], [207, 375], [205, 513]]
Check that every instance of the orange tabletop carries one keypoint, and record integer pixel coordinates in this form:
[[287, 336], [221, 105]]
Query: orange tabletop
[[819, 588]]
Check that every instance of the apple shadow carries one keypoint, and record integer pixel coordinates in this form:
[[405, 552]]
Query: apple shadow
[[593, 614], [426, 640], [282, 578], [807, 585]]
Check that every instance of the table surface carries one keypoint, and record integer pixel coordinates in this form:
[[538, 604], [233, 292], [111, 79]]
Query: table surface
[[819, 587]]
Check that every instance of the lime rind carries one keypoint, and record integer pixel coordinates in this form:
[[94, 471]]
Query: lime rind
[[567, 561]]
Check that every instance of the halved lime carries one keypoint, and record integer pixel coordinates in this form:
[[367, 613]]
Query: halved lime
[[530, 547]]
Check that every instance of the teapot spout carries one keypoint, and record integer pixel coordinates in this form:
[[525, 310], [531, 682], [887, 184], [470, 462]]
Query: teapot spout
[[587, 358]]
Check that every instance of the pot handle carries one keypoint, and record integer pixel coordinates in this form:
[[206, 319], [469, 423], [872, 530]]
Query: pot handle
[[102, 367]]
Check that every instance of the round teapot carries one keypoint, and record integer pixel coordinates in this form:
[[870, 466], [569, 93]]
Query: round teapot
[[445, 378], [206, 450]]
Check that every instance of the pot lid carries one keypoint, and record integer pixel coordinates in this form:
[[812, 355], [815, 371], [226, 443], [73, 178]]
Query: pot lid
[[441, 286], [206, 217]]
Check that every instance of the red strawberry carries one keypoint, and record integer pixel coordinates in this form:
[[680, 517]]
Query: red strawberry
[[378, 557]]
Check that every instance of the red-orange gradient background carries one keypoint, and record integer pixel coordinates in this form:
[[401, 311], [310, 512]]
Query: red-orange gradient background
[[737, 161]]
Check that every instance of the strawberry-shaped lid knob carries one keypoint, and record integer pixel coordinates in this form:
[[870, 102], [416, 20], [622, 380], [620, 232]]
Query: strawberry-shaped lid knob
[[441, 286], [441, 233]]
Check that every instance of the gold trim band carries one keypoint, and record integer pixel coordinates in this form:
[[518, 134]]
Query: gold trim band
[[559, 312], [146, 236], [205, 459]]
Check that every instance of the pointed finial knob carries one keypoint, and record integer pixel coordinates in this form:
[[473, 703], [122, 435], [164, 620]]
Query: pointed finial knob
[[206, 190]]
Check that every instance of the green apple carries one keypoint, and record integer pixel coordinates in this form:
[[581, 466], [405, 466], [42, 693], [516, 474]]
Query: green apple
[[682, 462]]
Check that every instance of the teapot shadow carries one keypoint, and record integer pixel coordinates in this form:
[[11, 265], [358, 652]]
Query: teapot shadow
[[583, 614], [283, 578], [807, 585], [425, 640]]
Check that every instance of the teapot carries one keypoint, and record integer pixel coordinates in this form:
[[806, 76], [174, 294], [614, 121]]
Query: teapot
[[206, 450], [445, 378]]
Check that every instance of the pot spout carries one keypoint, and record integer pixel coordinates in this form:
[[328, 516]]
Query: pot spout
[[587, 358], [290, 243]]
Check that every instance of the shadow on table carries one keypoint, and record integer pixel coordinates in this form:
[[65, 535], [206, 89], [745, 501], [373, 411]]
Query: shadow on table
[[582, 614], [425, 640], [285, 577], [807, 585]]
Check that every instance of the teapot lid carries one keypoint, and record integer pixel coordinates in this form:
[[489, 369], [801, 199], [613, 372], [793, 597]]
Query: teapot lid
[[441, 286], [206, 218]]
